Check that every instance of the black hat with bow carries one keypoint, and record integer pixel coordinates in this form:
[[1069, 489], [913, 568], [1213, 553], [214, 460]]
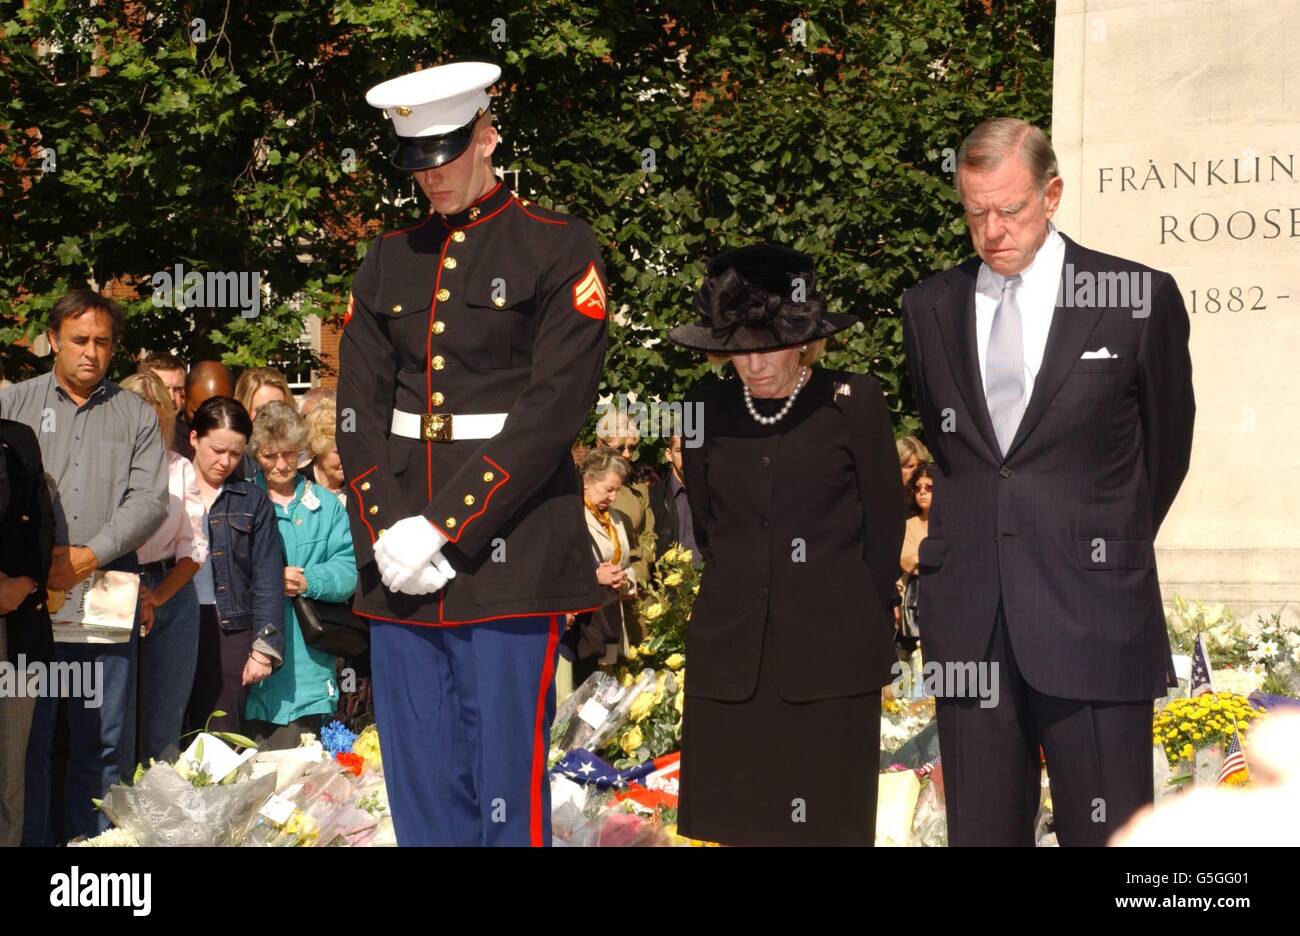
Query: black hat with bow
[[758, 298]]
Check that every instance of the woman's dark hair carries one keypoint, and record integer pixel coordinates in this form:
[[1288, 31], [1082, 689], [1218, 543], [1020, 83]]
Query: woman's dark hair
[[221, 412], [923, 470]]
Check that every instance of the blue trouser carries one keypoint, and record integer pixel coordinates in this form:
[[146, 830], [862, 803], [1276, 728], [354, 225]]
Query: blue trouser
[[168, 657], [464, 719], [101, 738]]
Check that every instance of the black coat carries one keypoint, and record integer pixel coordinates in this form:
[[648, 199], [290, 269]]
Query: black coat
[[27, 522], [802, 521], [667, 532], [1063, 527], [499, 309]]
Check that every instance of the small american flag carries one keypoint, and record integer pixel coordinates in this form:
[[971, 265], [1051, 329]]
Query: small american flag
[[1235, 761], [1202, 680], [928, 767]]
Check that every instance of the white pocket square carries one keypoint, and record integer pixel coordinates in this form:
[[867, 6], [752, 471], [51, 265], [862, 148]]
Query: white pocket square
[[1099, 353]]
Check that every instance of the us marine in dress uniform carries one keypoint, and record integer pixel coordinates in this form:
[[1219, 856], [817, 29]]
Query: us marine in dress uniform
[[470, 357]]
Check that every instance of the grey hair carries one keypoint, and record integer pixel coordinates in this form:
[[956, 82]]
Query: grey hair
[[993, 140], [601, 461], [278, 422]]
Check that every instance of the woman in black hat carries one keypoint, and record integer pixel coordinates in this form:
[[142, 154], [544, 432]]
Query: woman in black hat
[[794, 494]]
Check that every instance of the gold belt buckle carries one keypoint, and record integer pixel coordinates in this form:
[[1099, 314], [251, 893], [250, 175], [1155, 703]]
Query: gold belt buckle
[[435, 427]]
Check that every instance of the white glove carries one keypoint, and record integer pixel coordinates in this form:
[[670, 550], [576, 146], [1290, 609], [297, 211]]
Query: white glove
[[432, 578], [405, 550]]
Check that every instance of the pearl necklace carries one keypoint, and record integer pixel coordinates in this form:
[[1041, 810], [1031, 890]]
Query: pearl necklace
[[779, 414]]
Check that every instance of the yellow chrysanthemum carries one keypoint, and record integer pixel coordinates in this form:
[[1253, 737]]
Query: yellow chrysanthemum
[[675, 661], [673, 579], [654, 612]]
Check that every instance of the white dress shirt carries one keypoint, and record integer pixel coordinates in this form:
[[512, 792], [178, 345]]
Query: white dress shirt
[[1040, 282]]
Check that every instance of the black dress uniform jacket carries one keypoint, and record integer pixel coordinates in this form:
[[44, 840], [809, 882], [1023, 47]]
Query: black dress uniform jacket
[[1061, 528], [498, 309], [801, 521], [27, 519]]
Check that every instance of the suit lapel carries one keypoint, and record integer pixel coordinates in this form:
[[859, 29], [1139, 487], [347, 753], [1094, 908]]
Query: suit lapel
[[1066, 338], [957, 329]]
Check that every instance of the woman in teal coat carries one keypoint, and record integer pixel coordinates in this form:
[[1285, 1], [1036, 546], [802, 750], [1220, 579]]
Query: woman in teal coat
[[302, 694]]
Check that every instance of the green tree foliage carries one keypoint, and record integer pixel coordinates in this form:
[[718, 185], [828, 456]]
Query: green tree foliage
[[676, 130]]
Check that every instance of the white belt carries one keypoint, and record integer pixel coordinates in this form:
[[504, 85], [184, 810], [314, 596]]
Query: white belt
[[446, 427]]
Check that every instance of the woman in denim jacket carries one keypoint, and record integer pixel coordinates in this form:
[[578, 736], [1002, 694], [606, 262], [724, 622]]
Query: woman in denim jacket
[[241, 586], [302, 694]]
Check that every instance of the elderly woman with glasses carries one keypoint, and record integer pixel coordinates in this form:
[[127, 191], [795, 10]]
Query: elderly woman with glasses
[[795, 501], [302, 694], [616, 434]]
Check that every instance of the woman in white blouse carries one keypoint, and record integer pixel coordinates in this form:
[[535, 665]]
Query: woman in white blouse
[[168, 562]]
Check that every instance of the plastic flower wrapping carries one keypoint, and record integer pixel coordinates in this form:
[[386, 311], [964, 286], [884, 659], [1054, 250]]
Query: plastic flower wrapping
[[216, 794], [595, 712]]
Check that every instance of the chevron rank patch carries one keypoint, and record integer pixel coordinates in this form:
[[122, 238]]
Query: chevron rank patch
[[589, 294]]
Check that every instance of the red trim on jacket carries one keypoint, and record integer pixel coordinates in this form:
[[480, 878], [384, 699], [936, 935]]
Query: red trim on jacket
[[536, 217], [361, 501], [505, 476], [541, 741], [411, 228], [466, 227]]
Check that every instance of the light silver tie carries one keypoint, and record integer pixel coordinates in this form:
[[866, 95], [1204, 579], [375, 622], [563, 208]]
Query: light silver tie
[[1004, 366]]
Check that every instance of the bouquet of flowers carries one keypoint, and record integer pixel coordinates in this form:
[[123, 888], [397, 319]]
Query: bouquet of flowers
[[1262, 654], [1226, 640], [1186, 725], [664, 608], [208, 797], [595, 712], [1276, 648], [331, 804], [654, 722]]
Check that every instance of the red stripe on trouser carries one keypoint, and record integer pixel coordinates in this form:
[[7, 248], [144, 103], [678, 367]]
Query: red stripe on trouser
[[540, 746]]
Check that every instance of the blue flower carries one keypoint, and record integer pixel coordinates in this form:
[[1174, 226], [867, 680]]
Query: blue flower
[[336, 738]]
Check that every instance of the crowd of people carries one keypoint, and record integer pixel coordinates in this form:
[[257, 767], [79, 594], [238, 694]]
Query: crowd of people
[[226, 497], [247, 518], [253, 517]]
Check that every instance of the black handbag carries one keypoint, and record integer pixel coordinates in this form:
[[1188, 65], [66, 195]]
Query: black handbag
[[910, 625], [331, 627]]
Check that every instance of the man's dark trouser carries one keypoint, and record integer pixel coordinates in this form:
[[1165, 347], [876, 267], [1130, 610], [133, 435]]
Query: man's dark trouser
[[1098, 756]]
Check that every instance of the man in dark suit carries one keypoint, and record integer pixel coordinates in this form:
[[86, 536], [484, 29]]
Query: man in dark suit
[[674, 525], [1054, 384]]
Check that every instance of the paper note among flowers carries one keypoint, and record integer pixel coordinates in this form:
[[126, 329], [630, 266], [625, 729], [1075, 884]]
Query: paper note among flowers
[[102, 604]]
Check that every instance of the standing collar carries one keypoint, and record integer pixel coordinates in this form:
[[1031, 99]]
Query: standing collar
[[487, 206]]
